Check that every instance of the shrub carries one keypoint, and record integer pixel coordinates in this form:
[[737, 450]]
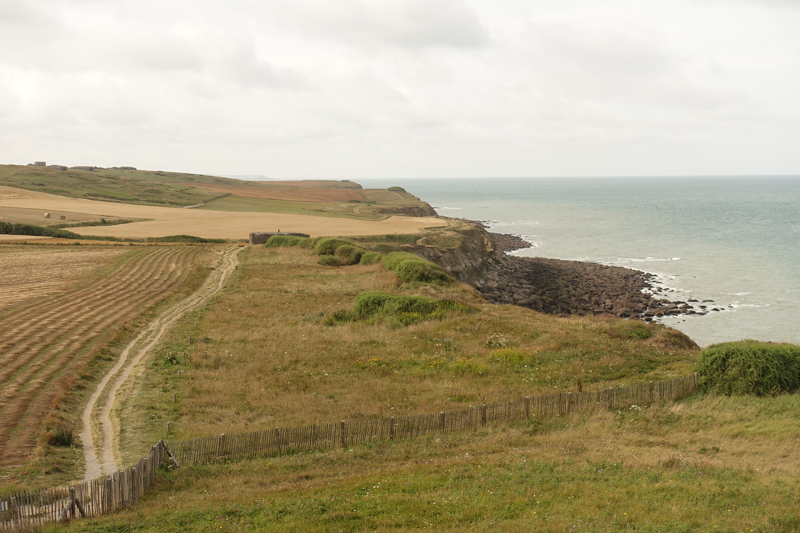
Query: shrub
[[412, 268], [339, 316], [285, 241], [396, 189], [749, 367], [349, 254], [370, 303], [328, 246], [403, 310], [329, 260], [370, 258]]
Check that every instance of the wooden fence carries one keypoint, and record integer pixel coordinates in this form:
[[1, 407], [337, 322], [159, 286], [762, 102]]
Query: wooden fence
[[88, 498], [123, 489], [351, 432]]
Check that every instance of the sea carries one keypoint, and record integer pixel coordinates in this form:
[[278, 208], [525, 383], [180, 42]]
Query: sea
[[733, 240]]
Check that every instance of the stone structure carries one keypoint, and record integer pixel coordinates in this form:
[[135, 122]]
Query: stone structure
[[262, 237], [40, 164]]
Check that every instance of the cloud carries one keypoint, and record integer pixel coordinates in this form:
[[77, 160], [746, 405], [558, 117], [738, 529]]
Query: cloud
[[241, 64], [405, 24]]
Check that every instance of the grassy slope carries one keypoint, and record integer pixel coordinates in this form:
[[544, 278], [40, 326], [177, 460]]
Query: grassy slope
[[261, 359], [135, 187]]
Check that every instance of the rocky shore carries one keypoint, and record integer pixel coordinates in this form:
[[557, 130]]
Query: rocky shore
[[562, 287]]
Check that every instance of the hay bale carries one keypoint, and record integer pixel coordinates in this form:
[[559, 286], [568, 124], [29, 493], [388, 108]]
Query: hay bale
[[63, 217], [47, 215]]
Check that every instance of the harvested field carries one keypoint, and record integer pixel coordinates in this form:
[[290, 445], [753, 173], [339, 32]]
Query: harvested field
[[43, 343], [31, 272], [36, 216], [163, 221]]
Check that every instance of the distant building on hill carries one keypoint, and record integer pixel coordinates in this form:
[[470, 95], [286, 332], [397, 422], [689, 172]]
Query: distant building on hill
[[40, 164]]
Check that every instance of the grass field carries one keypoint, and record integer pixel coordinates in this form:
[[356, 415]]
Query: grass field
[[47, 339], [263, 356]]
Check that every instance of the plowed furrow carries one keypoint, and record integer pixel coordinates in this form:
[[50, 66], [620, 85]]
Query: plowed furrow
[[76, 300], [82, 336], [16, 341], [100, 318], [34, 369]]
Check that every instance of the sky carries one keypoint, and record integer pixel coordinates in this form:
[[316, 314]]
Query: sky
[[358, 89]]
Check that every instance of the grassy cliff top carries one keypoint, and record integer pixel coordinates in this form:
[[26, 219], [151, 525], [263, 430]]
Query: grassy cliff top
[[175, 189]]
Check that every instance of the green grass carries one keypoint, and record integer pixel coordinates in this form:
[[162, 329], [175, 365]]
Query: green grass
[[639, 470], [138, 187]]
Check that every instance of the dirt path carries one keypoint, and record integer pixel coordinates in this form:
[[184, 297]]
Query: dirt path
[[95, 465]]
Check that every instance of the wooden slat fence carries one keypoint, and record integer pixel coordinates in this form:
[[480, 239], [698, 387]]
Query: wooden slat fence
[[124, 488], [88, 498], [348, 433]]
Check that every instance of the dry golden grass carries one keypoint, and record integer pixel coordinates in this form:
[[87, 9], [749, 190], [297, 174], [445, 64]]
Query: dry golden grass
[[261, 357], [163, 221]]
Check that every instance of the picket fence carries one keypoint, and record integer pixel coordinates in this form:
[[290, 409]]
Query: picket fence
[[124, 488]]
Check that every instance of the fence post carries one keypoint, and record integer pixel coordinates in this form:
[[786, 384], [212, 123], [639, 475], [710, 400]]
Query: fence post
[[220, 445], [278, 440], [569, 401], [652, 395], [344, 441], [441, 421], [483, 414], [611, 398], [527, 407]]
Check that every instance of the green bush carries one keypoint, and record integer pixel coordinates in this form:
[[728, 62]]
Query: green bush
[[328, 246], [749, 367], [286, 241], [404, 309], [396, 189], [395, 258], [412, 268], [370, 258], [329, 260], [349, 254]]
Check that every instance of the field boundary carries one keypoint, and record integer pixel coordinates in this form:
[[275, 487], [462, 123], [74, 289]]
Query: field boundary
[[123, 488]]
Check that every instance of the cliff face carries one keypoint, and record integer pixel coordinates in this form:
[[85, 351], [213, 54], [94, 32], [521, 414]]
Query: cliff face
[[467, 262]]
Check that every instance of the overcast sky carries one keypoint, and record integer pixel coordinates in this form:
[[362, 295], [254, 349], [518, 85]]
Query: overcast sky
[[353, 89]]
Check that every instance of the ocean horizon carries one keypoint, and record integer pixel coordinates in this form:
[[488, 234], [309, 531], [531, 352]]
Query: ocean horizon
[[734, 240]]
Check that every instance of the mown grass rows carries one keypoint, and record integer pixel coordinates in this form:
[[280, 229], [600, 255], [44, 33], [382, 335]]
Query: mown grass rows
[[38, 367]]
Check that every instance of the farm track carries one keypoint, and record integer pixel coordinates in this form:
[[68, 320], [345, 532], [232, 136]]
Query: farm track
[[42, 341], [105, 396]]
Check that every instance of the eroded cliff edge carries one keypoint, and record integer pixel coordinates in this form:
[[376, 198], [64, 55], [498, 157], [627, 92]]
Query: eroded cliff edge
[[474, 256]]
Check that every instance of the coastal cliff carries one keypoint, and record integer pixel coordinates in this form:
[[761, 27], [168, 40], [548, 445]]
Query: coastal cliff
[[554, 286]]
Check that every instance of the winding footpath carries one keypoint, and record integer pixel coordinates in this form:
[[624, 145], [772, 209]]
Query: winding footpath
[[105, 397]]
